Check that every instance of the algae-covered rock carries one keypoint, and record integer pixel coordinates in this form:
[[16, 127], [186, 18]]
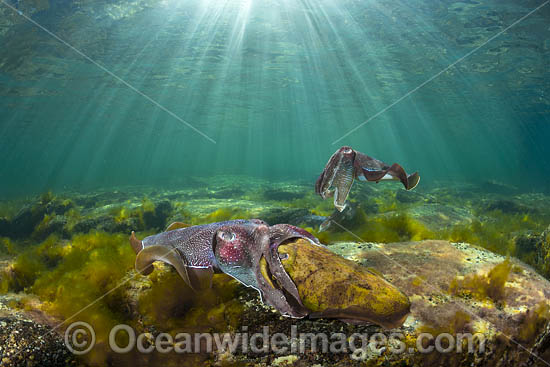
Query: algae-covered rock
[[534, 248], [28, 343], [543, 252], [331, 286]]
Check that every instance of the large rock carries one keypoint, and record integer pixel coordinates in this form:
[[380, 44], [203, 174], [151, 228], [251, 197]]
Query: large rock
[[27, 343], [511, 324], [332, 286], [543, 252], [536, 249]]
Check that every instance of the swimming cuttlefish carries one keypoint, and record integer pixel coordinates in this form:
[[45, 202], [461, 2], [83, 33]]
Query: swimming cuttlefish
[[250, 251], [347, 164]]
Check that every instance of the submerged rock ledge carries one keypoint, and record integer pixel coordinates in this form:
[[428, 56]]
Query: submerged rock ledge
[[425, 271]]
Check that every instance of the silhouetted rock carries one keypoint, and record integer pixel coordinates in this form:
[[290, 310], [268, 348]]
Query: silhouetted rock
[[4, 227], [157, 218]]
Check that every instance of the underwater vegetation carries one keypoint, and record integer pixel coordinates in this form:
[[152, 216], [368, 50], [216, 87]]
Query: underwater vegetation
[[534, 249], [222, 214], [171, 303], [58, 268], [489, 286], [496, 231], [96, 269], [7, 246], [533, 322], [391, 227], [147, 215]]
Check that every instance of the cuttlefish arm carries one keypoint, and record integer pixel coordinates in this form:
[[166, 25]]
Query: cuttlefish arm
[[188, 249], [279, 234], [347, 164], [245, 254]]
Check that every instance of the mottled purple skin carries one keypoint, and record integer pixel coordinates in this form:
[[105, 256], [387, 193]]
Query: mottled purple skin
[[239, 250], [347, 164], [194, 244], [281, 232]]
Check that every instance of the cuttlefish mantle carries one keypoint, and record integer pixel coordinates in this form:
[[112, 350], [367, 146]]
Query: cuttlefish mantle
[[188, 249]]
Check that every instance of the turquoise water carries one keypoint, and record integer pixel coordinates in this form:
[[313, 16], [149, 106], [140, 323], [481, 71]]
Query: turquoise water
[[121, 117], [278, 85]]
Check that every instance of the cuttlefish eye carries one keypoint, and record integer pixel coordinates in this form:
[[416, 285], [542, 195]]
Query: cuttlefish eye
[[227, 236], [230, 248]]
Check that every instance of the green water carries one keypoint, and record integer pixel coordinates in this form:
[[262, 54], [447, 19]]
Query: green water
[[273, 88], [119, 116]]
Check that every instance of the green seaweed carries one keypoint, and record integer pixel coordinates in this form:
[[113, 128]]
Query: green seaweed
[[222, 214], [7, 246], [533, 322], [387, 228], [46, 197], [42, 227], [456, 322], [29, 265], [70, 275], [172, 304], [92, 275], [73, 216], [482, 287]]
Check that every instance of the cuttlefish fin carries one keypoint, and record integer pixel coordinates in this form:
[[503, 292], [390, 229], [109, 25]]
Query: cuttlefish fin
[[196, 278], [368, 174], [137, 245], [176, 225], [373, 175], [414, 179], [319, 182], [399, 173], [146, 257]]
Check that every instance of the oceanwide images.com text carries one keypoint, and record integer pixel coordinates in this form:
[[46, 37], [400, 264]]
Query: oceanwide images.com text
[[80, 339]]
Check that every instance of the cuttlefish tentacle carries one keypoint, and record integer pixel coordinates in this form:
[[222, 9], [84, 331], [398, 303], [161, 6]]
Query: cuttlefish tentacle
[[277, 286], [346, 164], [241, 253], [188, 249], [279, 234]]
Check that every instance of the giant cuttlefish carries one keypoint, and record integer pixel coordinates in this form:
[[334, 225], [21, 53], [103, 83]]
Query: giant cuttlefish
[[347, 164], [240, 248], [252, 252]]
